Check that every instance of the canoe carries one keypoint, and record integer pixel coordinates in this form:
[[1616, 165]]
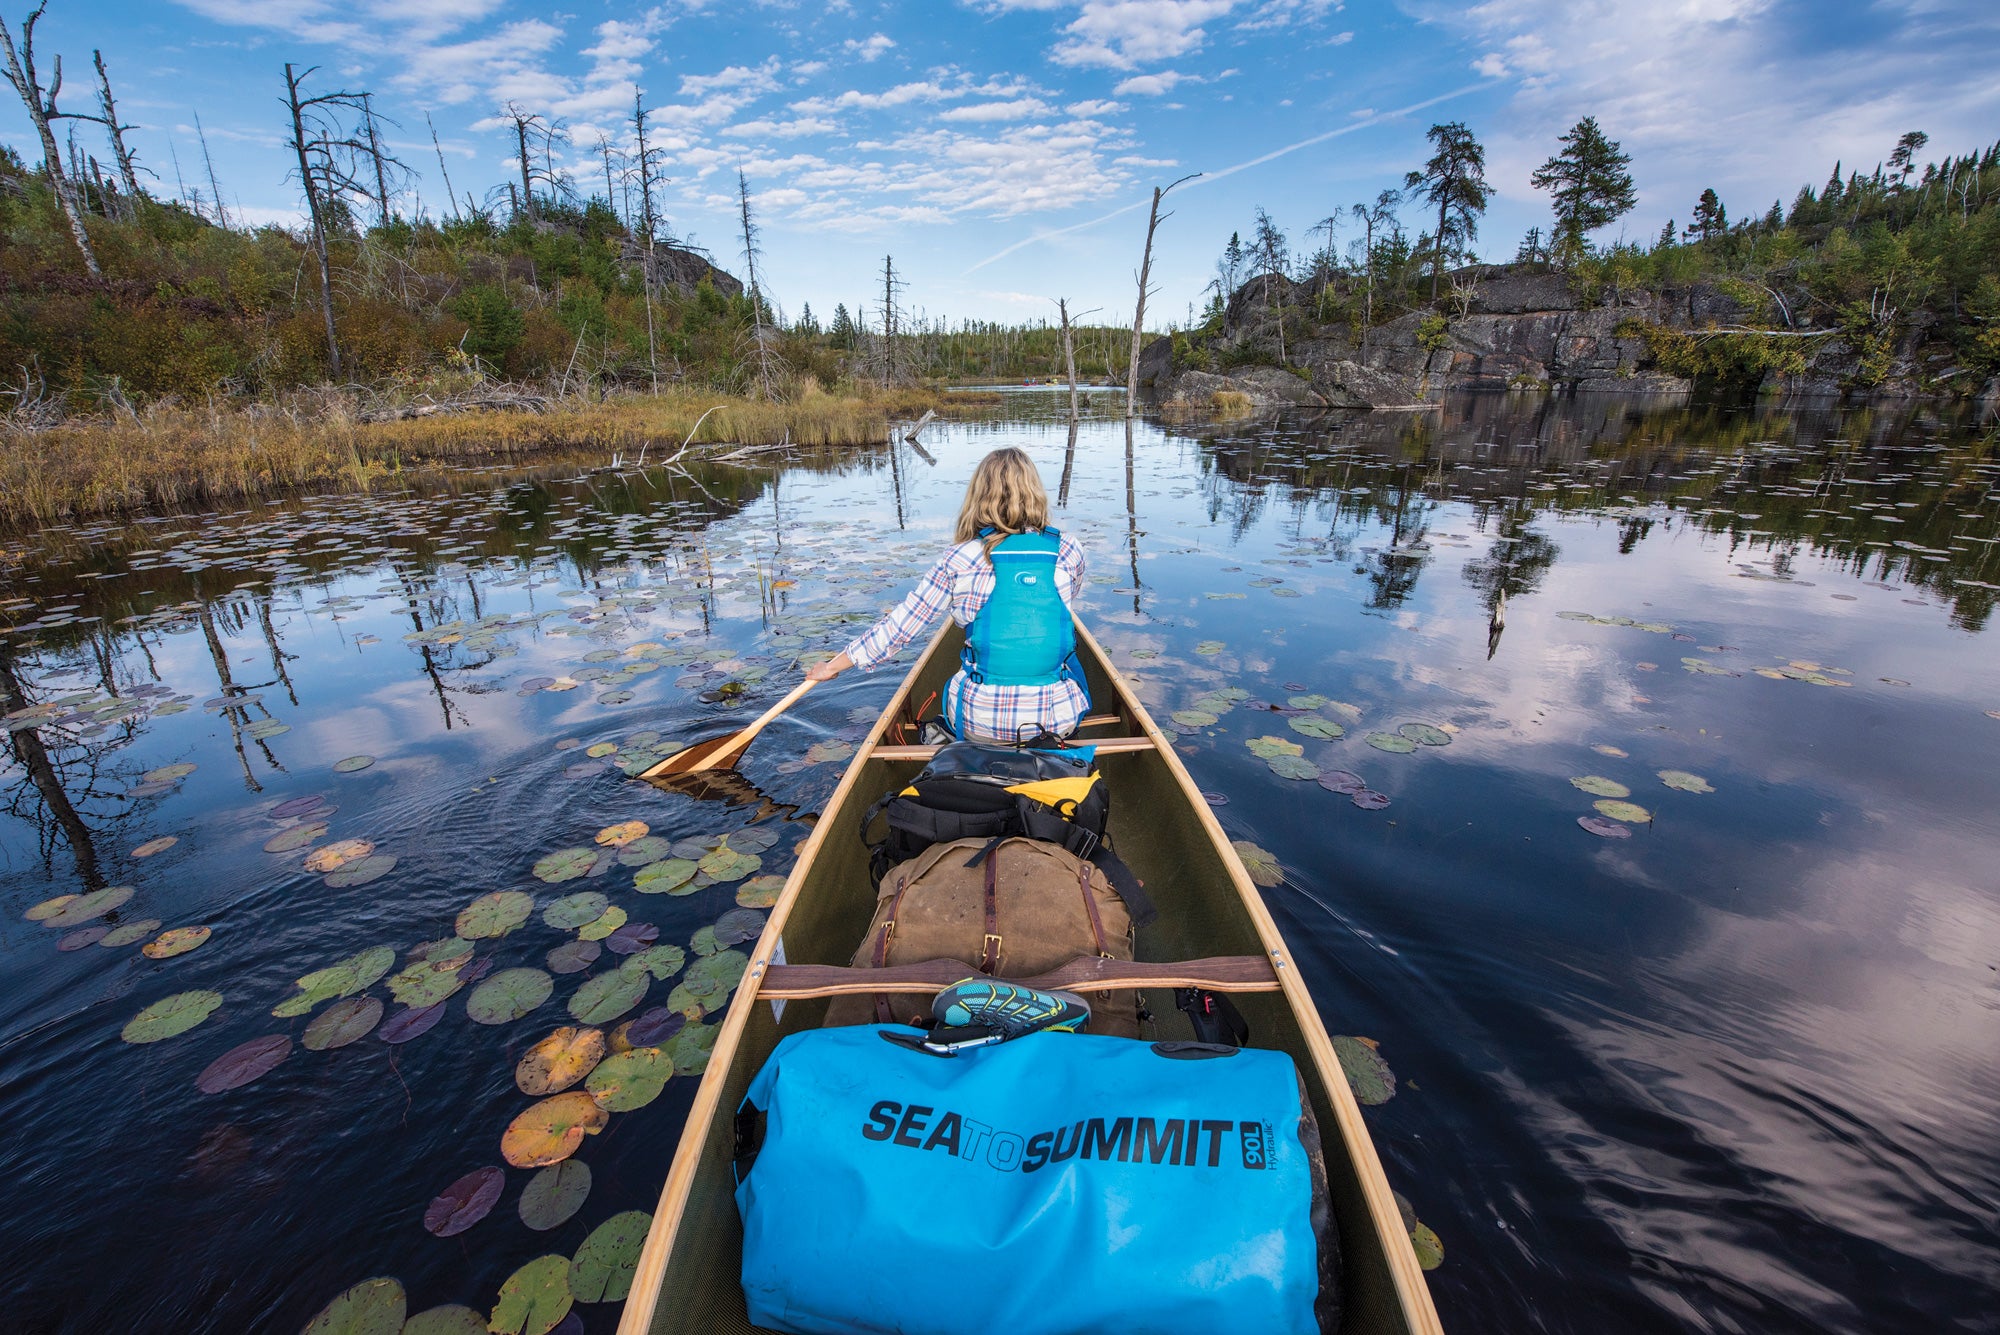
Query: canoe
[[1213, 928]]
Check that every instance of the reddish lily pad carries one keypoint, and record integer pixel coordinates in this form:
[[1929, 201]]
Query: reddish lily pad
[[551, 1130], [83, 936], [337, 855], [632, 938], [555, 1194], [559, 1061], [574, 956], [656, 1026], [1604, 829], [465, 1202], [1342, 781], [623, 833], [411, 1022], [243, 1063], [342, 1023], [1369, 800], [292, 840]]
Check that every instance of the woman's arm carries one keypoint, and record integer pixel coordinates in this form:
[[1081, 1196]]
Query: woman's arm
[[1069, 563]]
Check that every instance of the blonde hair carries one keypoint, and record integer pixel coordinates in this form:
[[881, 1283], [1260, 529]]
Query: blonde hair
[[1005, 495]]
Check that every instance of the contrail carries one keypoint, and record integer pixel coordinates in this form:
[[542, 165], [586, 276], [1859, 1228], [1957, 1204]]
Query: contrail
[[1207, 177]]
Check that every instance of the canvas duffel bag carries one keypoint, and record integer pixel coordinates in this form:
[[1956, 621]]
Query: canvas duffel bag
[[1009, 908]]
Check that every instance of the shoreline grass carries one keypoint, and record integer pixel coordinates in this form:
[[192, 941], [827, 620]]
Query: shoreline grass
[[175, 457]]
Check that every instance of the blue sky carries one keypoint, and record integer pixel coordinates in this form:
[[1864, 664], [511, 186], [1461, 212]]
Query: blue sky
[[1003, 150]]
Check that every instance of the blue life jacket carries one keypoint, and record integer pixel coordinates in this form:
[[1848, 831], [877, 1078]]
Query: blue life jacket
[[1052, 1185], [1023, 635]]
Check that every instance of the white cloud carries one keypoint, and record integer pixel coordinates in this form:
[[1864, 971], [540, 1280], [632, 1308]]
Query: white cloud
[[1152, 85], [1094, 107], [1123, 34], [870, 49], [791, 129], [1019, 109], [744, 78], [1284, 13]]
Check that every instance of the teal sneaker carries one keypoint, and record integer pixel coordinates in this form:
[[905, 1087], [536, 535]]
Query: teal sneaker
[[1008, 1009]]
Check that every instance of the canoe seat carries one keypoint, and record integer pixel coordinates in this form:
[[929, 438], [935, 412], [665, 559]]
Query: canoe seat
[[1087, 973]]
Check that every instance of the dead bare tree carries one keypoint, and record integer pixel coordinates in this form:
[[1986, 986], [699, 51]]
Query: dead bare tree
[[649, 224], [42, 111], [128, 172], [750, 253], [1069, 352], [375, 155], [214, 186], [329, 155], [890, 286], [1145, 276], [441, 168]]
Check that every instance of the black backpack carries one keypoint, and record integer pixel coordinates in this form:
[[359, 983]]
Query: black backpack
[[965, 792]]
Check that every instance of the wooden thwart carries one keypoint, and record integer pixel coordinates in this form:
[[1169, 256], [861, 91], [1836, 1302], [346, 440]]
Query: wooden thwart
[[1104, 745], [1220, 973]]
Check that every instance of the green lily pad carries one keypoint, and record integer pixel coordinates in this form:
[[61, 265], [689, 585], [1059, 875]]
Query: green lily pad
[[690, 1048], [451, 1319], [1425, 734], [627, 1081], [726, 864], [342, 1023], [170, 1016], [1264, 748], [84, 908], [1630, 812], [573, 911], [357, 973], [428, 982], [1393, 742], [602, 1269], [1312, 725], [669, 877], [719, 973], [1209, 648], [1306, 701], [565, 864], [640, 852], [1599, 786], [609, 995], [290, 841], [372, 1307], [703, 941], [603, 925], [1293, 767], [130, 934], [1367, 1074], [508, 995], [1684, 781], [1262, 866], [534, 1299], [495, 914], [1429, 1249], [266, 728], [662, 962], [168, 773], [371, 868], [554, 1194], [353, 764], [690, 1004], [759, 892], [1193, 718]]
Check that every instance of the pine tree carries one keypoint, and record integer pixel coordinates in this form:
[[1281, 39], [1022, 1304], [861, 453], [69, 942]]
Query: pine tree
[[1588, 184], [1830, 196], [1775, 219], [1903, 160], [1711, 219], [1454, 180], [1531, 248], [807, 324], [1667, 236], [841, 332]]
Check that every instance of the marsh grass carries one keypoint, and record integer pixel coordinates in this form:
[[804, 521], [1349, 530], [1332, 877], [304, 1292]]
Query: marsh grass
[[176, 457]]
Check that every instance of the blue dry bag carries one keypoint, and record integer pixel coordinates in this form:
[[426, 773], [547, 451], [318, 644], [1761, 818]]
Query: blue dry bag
[[1057, 1184]]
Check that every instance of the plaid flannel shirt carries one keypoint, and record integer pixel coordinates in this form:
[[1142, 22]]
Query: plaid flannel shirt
[[962, 581]]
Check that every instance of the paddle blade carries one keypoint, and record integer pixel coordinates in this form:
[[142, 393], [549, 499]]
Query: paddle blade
[[717, 753]]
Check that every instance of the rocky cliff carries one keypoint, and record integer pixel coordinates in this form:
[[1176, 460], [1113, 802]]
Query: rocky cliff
[[1502, 328]]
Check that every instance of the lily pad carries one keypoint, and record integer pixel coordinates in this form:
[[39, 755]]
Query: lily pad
[[559, 1061], [602, 1269], [152, 846], [662, 962], [703, 942], [759, 892], [1367, 1074], [739, 925], [691, 1047], [1604, 829], [337, 855], [1293, 767], [465, 1202], [508, 995], [243, 1063], [1605, 749], [554, 1194], [627, 1081], [1685, 782], [76, 910], [603, 925], [1429, 1250], [623, 833], [1393, 742], [1265, 748], [451, 1319], [1369, 800], [1342, 781], [642, 851], [632, 938], [1262, 866], [342, 1023], [299, 836], [410, 1022], [726, 864], [1599, 786], [353, 764], [129, 934], [1209, 648], [1631, 812], [609, 995], [572, 911], [48, 908], [84, 936], [170, 1016], [655, 1027], [673, 876], [1425, 734], [174, 941], [495, 914], [371, 868], [565, 864], [169, 773], [1312, 725], [550, 1131], [534, 1299], [372, 1307], [756, 839], [715, 975], [574, 956], [431, 981], [1193, 718]]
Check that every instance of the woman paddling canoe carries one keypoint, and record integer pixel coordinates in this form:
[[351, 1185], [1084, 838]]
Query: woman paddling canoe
[[1009, 580]]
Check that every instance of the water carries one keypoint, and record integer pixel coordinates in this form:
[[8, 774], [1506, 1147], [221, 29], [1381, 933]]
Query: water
[[1732, 1072]]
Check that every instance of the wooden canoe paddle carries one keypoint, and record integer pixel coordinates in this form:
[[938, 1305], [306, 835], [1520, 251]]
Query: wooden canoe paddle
[[723, 752]]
